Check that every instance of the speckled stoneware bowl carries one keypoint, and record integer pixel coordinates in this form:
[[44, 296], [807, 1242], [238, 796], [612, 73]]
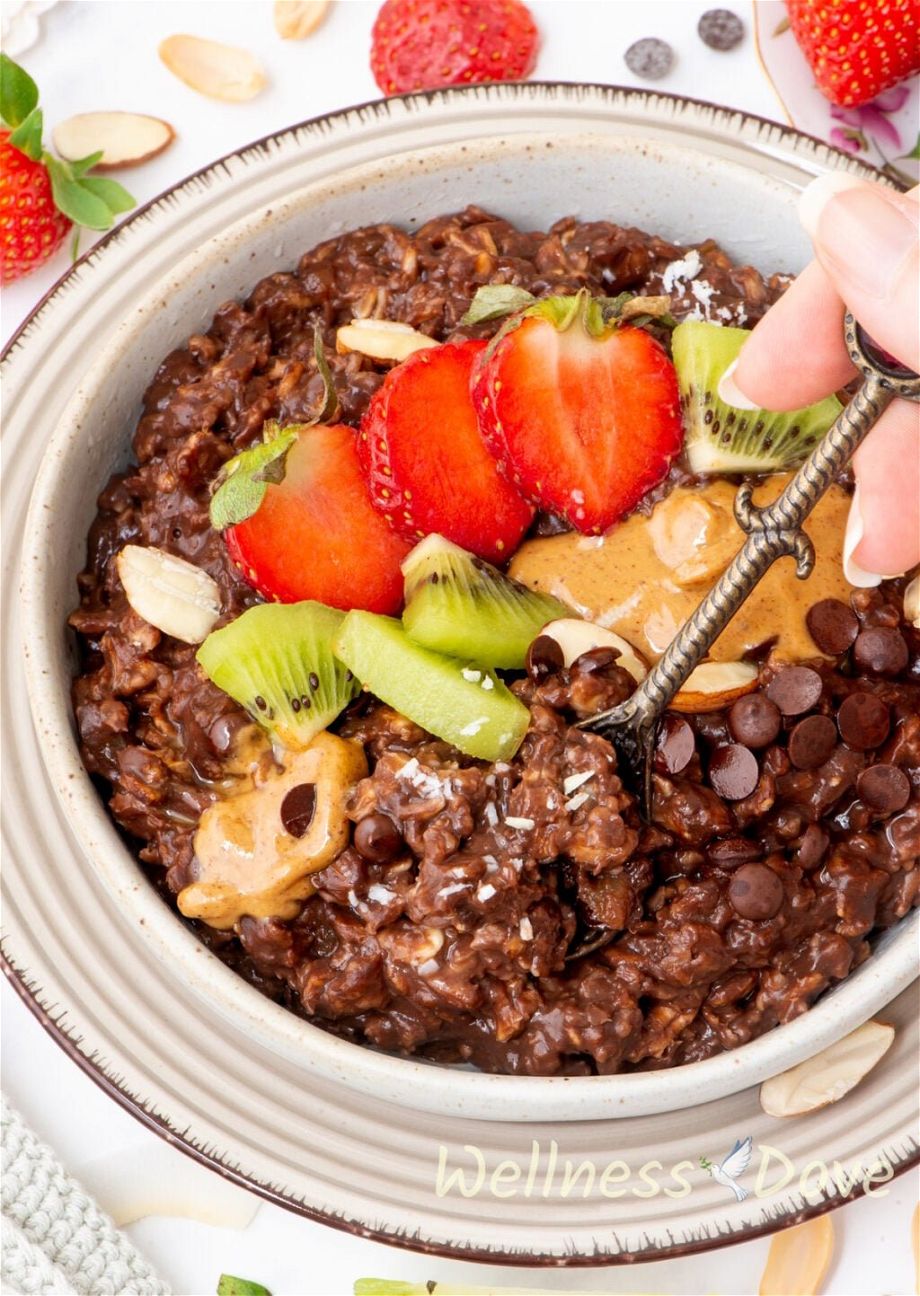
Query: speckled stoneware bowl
[[324, 1126]]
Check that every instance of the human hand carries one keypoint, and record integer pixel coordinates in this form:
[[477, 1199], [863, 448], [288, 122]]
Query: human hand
[[866, 255]]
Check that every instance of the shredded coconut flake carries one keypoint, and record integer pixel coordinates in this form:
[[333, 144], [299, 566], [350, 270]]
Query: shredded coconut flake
[[474, 726], [486, 892], [409, 769], [679, 273], [452, 890], [352, 898], [487, 683], [429, 966], [518, 821], [491, 813], [380, 894], [575, 781], [576, 802], [474, 676], [526, 929]]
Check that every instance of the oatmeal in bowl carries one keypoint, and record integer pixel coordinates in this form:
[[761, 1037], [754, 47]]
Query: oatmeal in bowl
[[397, 525]]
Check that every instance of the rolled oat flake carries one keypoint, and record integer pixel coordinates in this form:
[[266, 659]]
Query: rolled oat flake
[[720, 29], [649, 58]]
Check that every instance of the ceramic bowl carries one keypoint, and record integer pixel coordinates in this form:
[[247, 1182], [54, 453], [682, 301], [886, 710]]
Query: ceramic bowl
[[77, 372]]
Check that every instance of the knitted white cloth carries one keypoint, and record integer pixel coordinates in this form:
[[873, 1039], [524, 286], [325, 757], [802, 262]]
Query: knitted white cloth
[[56, 1240]]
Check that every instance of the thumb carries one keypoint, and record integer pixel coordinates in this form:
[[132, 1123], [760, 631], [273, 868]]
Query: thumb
[[866, 238]]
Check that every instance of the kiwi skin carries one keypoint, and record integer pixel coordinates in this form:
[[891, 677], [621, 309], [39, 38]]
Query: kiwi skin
[[459, 605], [722, 439], [276, 660]]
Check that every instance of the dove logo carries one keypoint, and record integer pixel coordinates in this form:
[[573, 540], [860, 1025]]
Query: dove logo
[[731, 1167]]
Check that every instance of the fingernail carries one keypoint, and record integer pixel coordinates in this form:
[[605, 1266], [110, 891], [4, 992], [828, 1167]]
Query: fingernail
[[855, 529], [731, 393], [864, 233]]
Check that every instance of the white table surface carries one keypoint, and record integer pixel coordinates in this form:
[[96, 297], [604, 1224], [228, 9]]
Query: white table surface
[[98, 54]]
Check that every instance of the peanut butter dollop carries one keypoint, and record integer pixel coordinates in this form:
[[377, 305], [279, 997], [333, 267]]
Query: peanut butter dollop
[[647, 574], [247, 860]]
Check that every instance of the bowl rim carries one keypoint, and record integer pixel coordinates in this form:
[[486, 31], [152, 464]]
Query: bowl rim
[[632, 97]]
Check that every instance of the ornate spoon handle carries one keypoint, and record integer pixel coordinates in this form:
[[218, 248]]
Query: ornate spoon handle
[[772, 532]]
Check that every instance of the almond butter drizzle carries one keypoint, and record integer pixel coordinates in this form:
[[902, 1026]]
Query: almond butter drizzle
[[647, 574]]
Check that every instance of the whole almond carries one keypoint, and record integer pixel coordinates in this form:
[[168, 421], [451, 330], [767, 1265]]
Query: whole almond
[[297, 19], [219, 71]]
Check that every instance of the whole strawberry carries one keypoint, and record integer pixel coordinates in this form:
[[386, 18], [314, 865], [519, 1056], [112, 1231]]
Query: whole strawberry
[[857, 50], [41, 197], [423, 44]]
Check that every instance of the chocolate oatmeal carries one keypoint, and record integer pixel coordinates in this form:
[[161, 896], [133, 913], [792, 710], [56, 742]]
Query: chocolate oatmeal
[[515, 913]]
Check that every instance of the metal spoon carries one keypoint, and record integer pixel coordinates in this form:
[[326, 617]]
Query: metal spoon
[[772, 533]]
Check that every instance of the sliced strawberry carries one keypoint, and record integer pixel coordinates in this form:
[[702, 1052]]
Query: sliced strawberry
[[312, 532], [428, 466], [582, 414]]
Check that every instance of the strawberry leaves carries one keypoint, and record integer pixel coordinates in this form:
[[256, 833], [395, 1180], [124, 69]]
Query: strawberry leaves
[[90, 201], [243, 481]]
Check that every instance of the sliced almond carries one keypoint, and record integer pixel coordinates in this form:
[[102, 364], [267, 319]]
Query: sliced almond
[[830, 1074], [799, 1258], [218, 71], [381, 339], [296, 19], [575, 637], [714, 685], [912, 603], [169, 593], [124, 138]]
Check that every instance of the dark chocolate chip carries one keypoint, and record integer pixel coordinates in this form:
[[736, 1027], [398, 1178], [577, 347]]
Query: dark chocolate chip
[[884, 788], [812, 846], [734, 850], [755, 891], [795, 689], [811, 741], [649, 58], [298, 809], [675, 745], [882, 650], [863, 721], [754, 720], [544, 658], [377, 838], [720, 29], [733, 771], [595, 659], [833, 626]]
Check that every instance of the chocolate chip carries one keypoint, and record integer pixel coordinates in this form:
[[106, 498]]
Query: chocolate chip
[[884, 788], [377, 838], [812, 846], [863, 721], [733, 772], [795, 689], [754, 720], [734, 850], [649, 58], [811, 741], [755, 891], [881, 650], [544, 657], [675, 745], [595, 659], [298, 809], [833, 626], [720, 29]]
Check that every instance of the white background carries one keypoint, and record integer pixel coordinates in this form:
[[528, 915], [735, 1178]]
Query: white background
[[94, 54]]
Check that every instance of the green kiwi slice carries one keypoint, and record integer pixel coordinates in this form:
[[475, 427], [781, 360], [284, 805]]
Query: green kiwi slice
[[466, 706], [276, 660], [722, 439], [464, 607]]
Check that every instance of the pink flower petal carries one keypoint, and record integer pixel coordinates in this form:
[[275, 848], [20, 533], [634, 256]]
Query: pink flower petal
[[877, 125], [892, 100]]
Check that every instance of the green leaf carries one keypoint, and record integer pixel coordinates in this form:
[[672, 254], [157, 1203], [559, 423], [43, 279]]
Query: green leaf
[[330, 395], [914, 154], [70, 197], [231, 1286], [242, 483], [75, 242], [114, 195], [18, 92], [493, 301], [82, 165], [27, 136]]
